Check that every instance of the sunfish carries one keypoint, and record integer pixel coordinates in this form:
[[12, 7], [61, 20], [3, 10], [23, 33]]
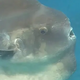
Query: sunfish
[[36, 42]]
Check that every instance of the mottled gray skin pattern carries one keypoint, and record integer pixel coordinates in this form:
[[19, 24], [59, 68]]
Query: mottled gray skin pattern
[[42, 41]]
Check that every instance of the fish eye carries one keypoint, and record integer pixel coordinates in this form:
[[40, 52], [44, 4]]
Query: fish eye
[[43, 30]]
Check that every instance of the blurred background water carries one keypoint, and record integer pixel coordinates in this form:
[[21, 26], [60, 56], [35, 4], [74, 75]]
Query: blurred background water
[[72, 9]]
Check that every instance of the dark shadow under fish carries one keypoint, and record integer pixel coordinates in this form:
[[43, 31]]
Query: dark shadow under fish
[[5, 54]]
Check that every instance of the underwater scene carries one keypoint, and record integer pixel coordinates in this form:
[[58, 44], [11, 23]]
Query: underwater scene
[[72, 9], [39, 40]]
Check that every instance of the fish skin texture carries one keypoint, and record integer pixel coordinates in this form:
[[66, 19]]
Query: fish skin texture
[[36, 42]]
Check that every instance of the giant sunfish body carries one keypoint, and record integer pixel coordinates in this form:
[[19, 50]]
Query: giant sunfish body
[[36, 42]]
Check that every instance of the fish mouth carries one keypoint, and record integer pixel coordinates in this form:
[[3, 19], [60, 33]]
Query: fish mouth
[[71, 35]]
